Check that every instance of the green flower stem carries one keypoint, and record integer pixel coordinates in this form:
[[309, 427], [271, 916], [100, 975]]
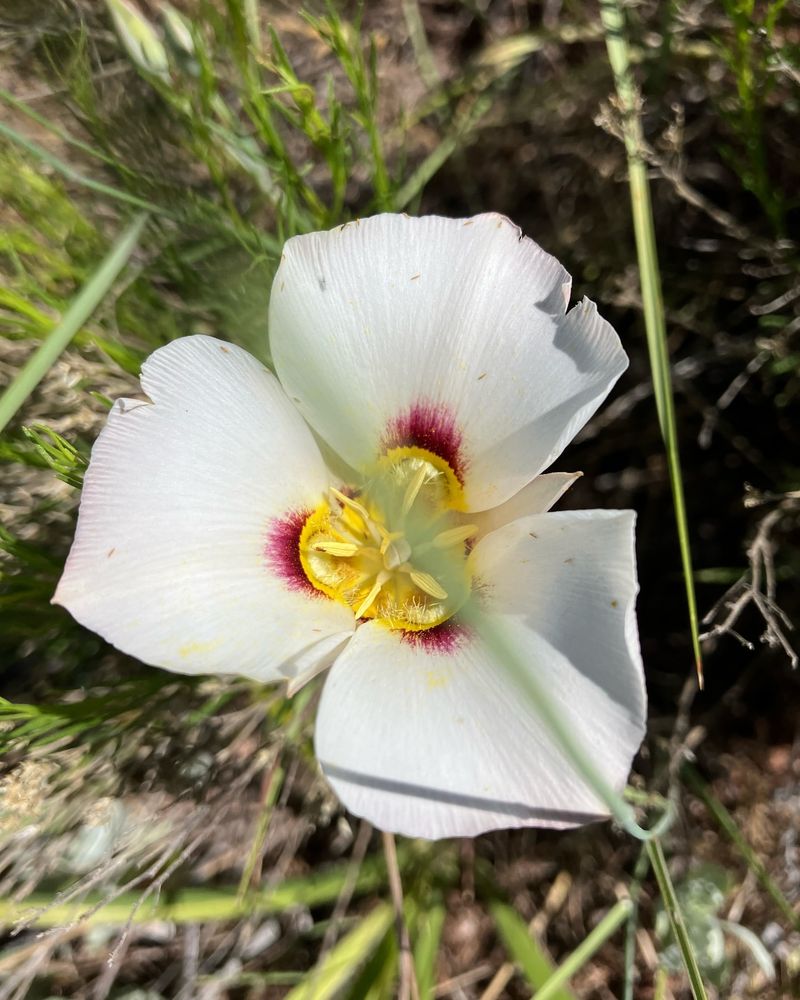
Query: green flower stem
[[615, 917], [644, 229], [81, 308], [672, 907]]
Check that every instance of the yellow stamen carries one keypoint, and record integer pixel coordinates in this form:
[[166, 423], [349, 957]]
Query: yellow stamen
[[427, 583], [453, 536], [369, 600], [360, 509], [397, 553], [413, 488], [341, 549]]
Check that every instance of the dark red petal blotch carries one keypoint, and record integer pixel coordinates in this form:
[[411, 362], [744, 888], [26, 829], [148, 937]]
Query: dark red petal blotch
[[282, 551], [431, 426], [444, 638]]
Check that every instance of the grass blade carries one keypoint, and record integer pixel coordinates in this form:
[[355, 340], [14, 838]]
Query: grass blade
[[619, 58], [193, 904], [345, 959], [672, 907], [617, 915], [428, 926], [81, 308], [526, 951], [45, 156], [634, 888], [56, 130]]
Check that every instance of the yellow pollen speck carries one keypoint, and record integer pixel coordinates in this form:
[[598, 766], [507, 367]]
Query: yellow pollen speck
[[435, 680], [193, 648], [394, 552]]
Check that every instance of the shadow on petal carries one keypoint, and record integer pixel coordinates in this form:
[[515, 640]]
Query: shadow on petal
[[518, 810]]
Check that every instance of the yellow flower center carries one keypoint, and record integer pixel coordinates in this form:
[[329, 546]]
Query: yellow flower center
[[395, 551]]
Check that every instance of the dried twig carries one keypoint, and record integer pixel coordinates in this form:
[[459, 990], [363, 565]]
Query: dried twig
[[712, 415], [407, 988], [758, 585]]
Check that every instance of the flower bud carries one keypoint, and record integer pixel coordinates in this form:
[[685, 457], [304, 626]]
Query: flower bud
[[140, 38]]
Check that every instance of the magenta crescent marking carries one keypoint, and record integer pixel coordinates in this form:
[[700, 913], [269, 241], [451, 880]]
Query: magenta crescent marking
[[282, 551], [430, 426], [441, 639]]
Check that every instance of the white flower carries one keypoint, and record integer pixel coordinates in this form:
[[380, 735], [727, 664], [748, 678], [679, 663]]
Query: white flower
[[435, 364]]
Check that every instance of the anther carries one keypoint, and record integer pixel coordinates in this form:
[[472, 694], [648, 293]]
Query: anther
[[446, 539], [454, 536], [369, 600], [413, 488], [360, 509], [426, 583], [341, 549]]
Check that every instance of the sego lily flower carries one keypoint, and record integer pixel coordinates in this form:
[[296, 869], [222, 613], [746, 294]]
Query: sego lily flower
[[349, 515]]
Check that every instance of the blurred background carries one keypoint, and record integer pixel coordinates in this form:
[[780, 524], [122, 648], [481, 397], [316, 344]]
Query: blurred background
[[186, 817]]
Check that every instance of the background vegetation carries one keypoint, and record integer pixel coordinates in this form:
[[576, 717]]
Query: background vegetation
[[163, 836]]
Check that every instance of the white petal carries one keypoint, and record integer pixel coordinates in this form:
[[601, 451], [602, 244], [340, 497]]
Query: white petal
[[535, 498], [570, 576], [450, 328], [439, 741], [178, 556]]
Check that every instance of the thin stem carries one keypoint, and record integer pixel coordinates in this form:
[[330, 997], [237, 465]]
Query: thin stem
[[419, 43], [79, 311], [673, 910], [635, 888], [273, 785], [644, 230], [616, 916], [407, 989]]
